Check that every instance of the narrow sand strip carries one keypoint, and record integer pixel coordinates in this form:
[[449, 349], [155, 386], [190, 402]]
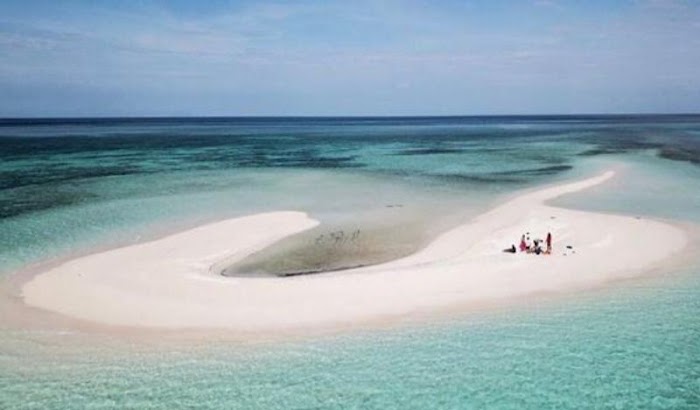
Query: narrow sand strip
[[171, 282]]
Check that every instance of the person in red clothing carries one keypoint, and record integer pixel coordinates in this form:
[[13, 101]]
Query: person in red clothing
[[549, 243], [523, 244]]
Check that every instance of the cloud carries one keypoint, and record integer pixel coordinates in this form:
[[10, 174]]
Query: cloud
[[263, 57]]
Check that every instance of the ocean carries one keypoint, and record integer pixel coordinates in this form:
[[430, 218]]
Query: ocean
[[73, 186]]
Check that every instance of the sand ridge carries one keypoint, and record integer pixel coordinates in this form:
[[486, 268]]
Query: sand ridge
[[172, 282]]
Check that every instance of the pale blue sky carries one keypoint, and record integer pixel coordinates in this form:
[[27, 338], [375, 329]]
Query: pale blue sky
[[81, 58]]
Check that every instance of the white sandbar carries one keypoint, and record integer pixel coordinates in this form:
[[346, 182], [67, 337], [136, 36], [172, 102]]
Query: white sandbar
[[171, 282]]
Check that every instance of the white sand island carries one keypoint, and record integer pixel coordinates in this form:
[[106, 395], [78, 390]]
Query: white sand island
[[173, 282]]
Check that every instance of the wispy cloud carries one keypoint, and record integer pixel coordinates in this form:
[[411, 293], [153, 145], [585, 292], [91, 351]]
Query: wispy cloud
[[304, 57]]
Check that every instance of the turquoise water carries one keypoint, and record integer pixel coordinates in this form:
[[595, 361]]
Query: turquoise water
[[68, 186], [617, 348]]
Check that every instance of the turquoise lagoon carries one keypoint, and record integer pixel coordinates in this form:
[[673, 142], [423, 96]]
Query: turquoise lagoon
[[71, 186]]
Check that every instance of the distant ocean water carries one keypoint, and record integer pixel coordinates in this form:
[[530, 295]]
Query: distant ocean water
[[67, 185]]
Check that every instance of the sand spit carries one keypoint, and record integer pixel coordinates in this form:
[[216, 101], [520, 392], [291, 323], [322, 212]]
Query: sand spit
[[172, 282]]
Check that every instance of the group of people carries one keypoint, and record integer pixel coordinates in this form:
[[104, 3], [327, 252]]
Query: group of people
[[533, 246]]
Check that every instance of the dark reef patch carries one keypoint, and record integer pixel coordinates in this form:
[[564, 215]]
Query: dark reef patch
[[600, 151], [476, 178], [506, 177], [678, 154], [59, 174], [429, 151], [549, 170], [37, 199]]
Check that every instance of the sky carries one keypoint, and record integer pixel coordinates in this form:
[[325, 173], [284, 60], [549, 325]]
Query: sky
[[199, 58]]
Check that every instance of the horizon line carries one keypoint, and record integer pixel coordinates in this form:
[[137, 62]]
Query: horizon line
[[351, 116]]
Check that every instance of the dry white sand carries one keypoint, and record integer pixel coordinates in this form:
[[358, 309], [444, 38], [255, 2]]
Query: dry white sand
[[172, 282]]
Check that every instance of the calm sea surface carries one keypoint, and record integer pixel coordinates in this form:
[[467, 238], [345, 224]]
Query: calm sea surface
[[71, 186]]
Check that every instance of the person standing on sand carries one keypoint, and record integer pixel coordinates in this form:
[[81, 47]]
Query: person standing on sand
[[549, 243], [523, 244], [528, 243]]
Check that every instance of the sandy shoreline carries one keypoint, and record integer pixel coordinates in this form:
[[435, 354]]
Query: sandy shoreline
[[170, 282]]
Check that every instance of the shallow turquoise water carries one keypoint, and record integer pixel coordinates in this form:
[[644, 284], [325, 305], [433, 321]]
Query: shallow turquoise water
[[124, 209], [632, 345], [616, 348]]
